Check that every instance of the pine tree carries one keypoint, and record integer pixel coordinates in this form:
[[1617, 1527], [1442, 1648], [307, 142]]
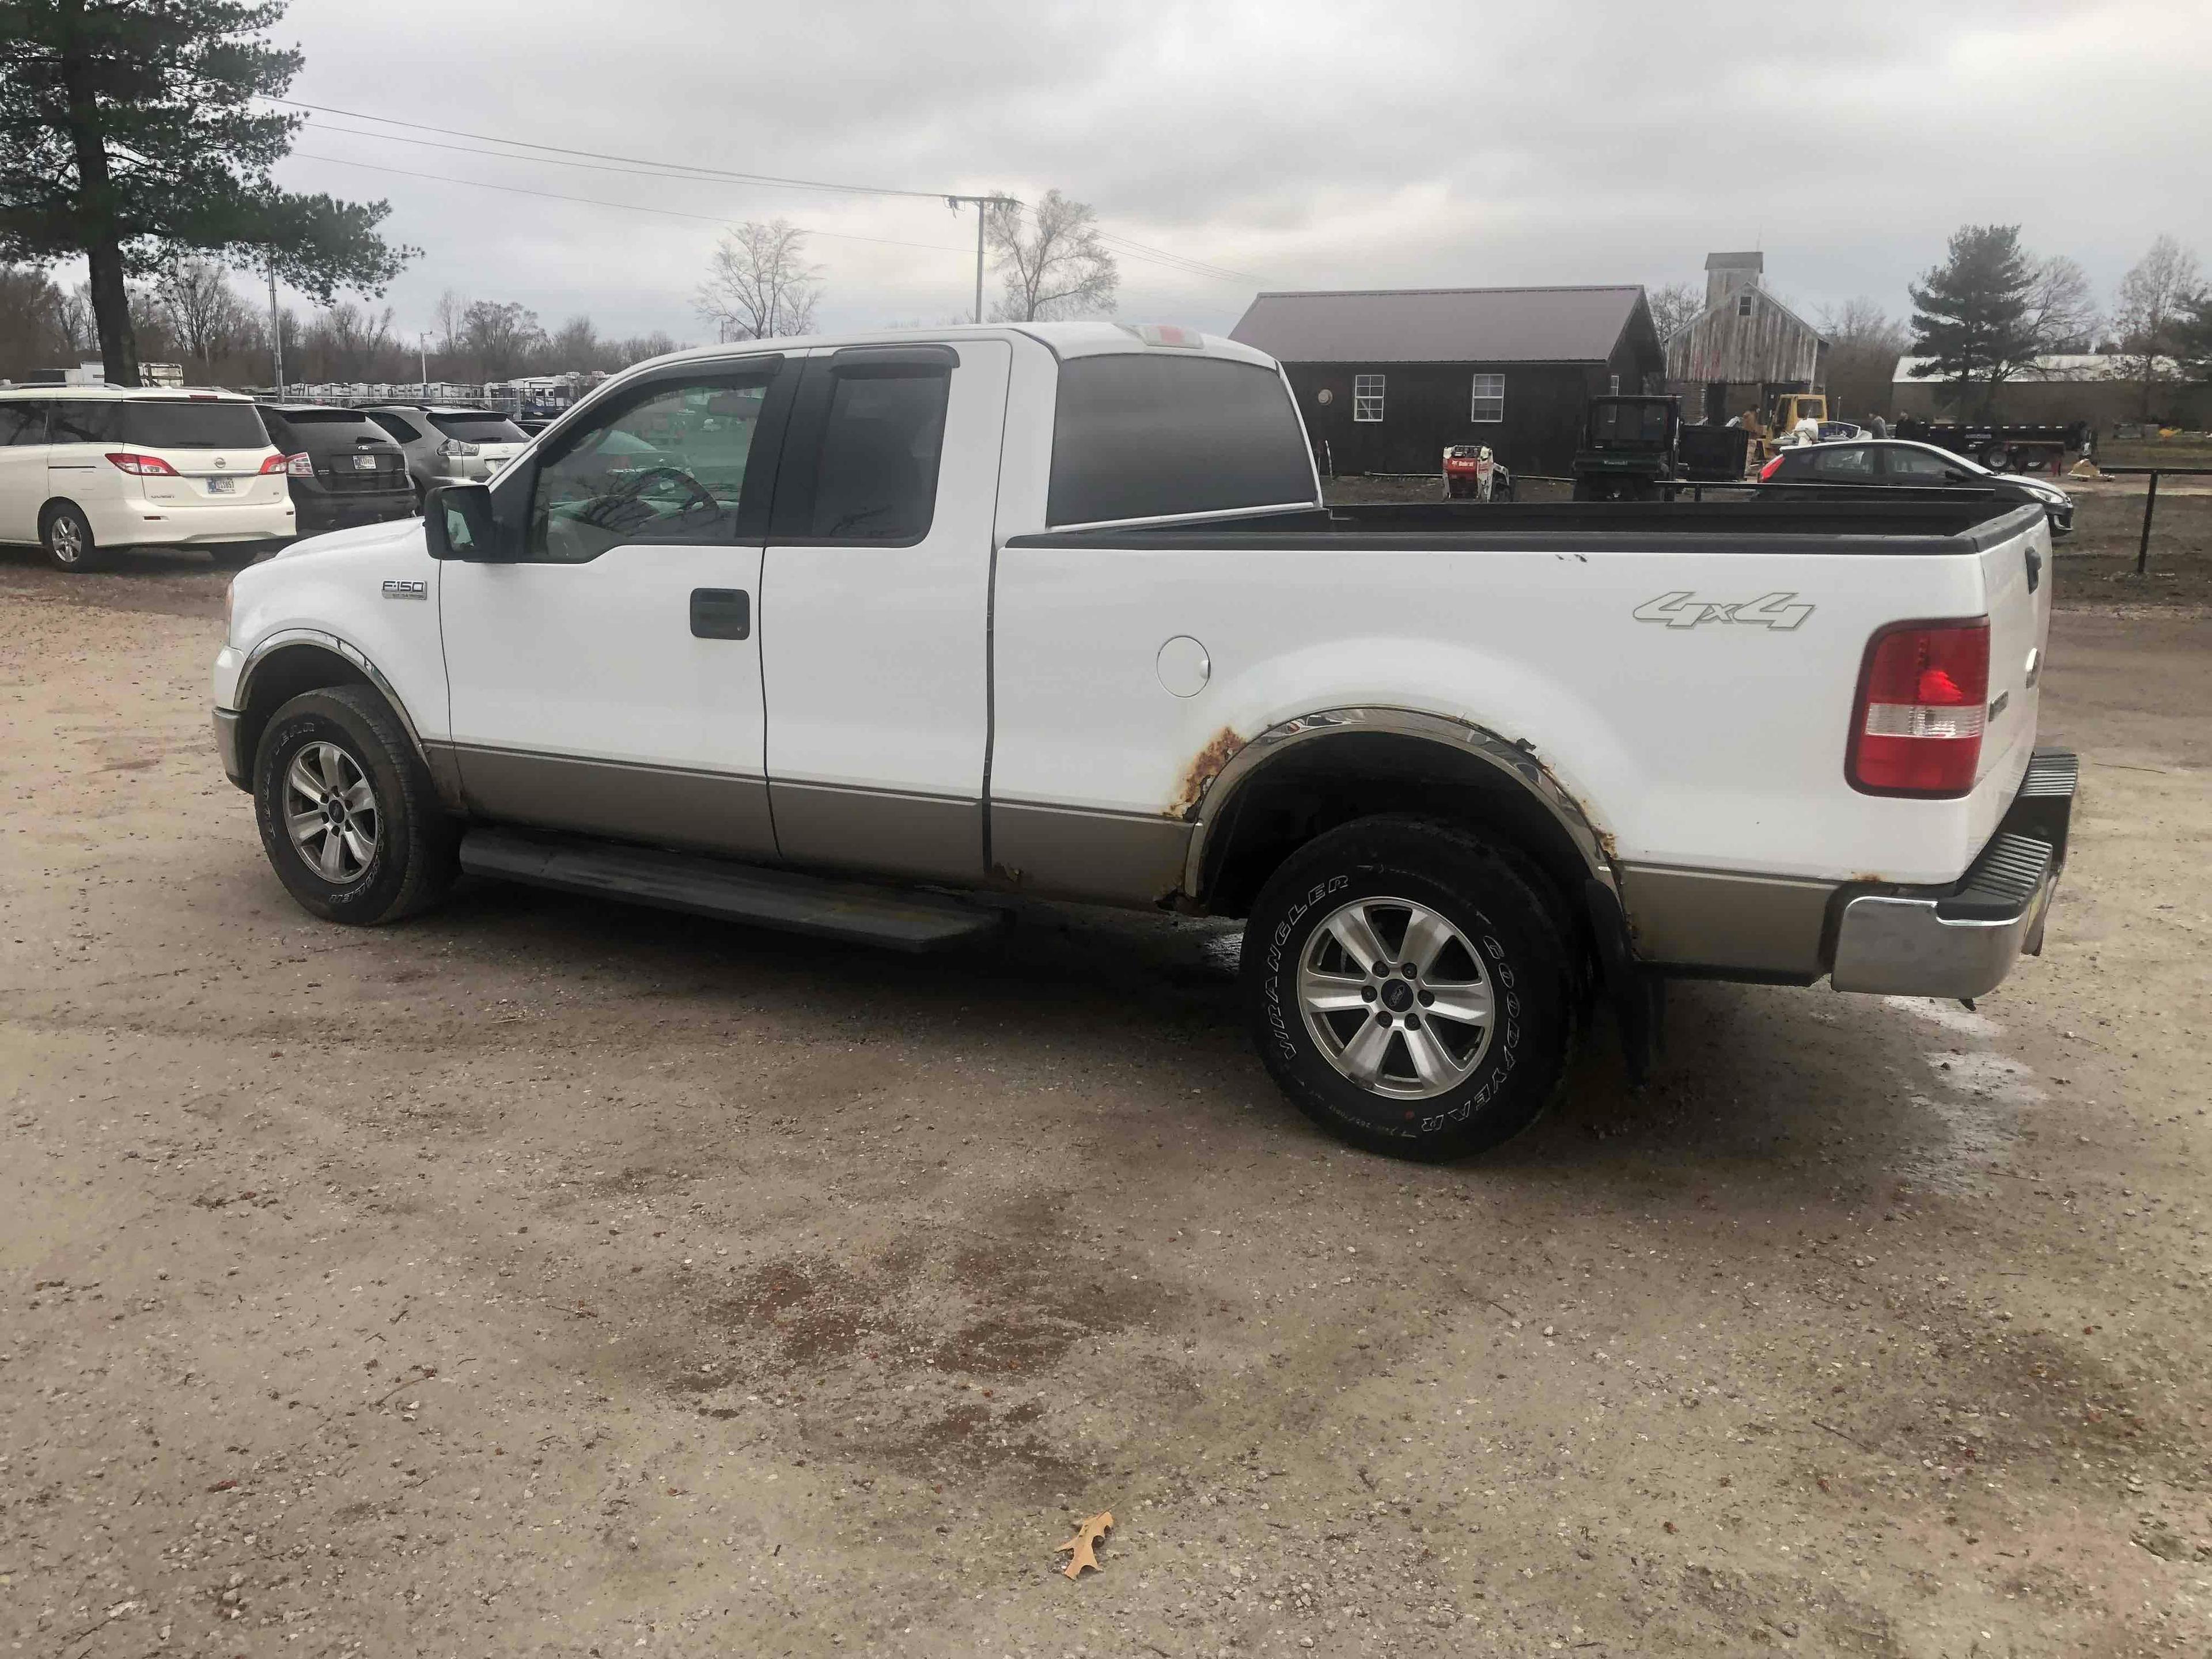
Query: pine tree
[[1970, 314], [132, 139]]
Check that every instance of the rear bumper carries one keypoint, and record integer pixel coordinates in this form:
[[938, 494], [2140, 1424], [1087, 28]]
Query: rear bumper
[[196, 524], [1962, 940]]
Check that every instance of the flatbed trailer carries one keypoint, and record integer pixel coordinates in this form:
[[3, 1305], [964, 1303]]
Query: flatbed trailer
[[2000, 447]]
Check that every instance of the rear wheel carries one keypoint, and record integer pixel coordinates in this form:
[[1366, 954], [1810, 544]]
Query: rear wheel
[[1409, 988], [348, 815], [67, 537]]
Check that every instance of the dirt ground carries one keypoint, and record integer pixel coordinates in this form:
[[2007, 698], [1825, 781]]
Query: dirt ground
[[548, 1277]]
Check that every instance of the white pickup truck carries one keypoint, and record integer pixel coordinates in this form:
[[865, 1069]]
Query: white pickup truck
[[857, 637]]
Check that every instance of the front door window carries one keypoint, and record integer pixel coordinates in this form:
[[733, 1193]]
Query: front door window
[[668, 465]]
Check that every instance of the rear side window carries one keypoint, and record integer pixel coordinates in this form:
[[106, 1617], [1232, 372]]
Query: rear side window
[[87, 421], [880, 448], [175, 424], [1918, 466], [403, 431], [1850, 466], [23, 422], [1146, 437]]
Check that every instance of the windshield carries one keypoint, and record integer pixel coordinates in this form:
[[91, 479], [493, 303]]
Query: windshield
[[1628, 423], [177, 423], [480, 429]]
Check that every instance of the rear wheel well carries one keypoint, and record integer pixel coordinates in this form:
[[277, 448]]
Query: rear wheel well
[[282, 676], [1314, 788]]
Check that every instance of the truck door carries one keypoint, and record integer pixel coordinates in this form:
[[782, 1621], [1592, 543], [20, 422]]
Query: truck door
[[875, 603], [607, 677]]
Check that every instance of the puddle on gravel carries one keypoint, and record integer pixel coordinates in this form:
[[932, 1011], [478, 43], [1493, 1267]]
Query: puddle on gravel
[[1978, 1104]]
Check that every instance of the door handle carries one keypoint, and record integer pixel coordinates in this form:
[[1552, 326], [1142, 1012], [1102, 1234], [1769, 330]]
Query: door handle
[[721, 613]]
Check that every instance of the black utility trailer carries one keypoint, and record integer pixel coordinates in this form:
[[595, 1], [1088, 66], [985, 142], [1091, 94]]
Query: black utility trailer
[[1633, 446], [1998, 447]]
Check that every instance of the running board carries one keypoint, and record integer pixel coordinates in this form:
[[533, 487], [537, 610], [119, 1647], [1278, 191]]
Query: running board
[[897, 919]]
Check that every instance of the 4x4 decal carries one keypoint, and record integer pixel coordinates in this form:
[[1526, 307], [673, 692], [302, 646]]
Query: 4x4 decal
[[1686, 610]]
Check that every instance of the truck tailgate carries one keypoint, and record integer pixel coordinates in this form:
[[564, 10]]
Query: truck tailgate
[[2016, 579]]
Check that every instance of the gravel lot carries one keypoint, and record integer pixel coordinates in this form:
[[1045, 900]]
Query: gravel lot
[[546, 1278]]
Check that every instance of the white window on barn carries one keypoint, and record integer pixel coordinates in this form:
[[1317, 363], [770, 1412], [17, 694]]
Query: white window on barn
[[1613, 386], [1743, 303], [1489, 403], [1367, 397]]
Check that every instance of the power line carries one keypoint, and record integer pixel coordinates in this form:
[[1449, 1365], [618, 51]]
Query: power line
[[603, 155], [594, 201], [645, 167]]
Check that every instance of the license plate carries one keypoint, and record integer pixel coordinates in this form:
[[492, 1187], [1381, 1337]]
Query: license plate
[[221, 486], [364, 463]]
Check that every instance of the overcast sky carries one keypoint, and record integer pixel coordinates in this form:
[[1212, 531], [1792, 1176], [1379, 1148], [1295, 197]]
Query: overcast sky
[[1302, 143]]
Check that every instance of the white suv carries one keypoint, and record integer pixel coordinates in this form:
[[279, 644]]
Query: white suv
[[83, 469]]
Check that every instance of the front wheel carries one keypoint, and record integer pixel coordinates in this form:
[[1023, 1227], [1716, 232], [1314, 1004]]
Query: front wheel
[[1409, 988], [348, 815]]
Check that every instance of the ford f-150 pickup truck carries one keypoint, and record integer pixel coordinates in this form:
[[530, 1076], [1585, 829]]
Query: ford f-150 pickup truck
[[859, 636]]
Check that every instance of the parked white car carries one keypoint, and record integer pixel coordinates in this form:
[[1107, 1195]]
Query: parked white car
[[804, 633], [87, 469]]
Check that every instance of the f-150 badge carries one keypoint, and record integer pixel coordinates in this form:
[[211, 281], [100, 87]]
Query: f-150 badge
[[1684, 609], [406, 590]]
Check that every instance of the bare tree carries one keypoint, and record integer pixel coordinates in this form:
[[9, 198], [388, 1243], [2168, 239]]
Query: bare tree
[[447, 316], [31, 334], [758, 283], [204, 311], [1051, 260], [1864, 342], [356, 338], [1673, 305], [498, 338], [639, 347], [2062, 307], [2155, 302], [79, 331], [576, 345]]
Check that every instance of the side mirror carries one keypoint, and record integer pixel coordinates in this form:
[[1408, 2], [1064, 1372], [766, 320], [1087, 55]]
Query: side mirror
[[457, 523]]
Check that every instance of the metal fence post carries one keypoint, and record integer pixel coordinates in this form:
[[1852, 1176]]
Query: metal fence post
[[2142, 548]]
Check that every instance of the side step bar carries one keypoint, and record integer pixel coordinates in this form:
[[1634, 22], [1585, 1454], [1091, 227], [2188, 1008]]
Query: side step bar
[[893, 918]]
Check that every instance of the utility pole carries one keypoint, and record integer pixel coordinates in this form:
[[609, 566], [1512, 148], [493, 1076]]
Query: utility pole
[[422, 345], [275, 331], [982, 204]]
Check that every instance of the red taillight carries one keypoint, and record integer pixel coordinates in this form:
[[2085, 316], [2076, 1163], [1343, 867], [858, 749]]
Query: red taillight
[[1769, 469], [299, 466], [276, 463], [1917, 726], [140, 466]]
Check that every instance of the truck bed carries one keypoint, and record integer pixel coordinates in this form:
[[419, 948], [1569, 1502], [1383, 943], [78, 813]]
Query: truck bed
[[1685, 672]]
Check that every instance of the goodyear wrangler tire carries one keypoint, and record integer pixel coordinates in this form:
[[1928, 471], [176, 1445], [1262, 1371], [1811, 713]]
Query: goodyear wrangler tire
[[1409, 988]]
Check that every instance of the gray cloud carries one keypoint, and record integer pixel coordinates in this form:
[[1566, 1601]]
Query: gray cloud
[[1306, 143]]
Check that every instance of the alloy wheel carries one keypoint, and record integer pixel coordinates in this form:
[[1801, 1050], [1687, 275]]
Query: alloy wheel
[[331, 810], [1395, 997]]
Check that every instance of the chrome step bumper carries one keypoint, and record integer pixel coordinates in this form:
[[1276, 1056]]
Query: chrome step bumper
[[1961, 941]]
